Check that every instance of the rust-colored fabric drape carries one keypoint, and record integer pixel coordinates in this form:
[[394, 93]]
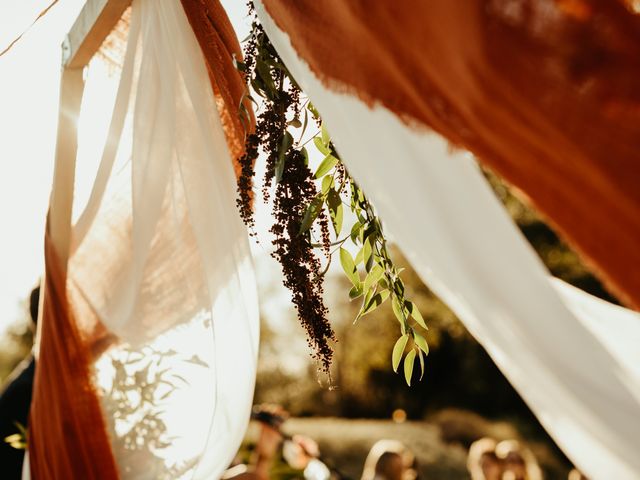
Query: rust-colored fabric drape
[[219, 45], [545, 92], [67, 436]]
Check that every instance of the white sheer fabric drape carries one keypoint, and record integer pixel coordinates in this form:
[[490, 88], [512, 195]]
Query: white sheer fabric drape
[[160, 256], [573, 358]]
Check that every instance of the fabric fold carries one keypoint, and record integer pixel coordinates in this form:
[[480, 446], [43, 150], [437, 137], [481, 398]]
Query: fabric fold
[[150, 353], [67, 429], [547, 339], [544, 92], [221, 50]]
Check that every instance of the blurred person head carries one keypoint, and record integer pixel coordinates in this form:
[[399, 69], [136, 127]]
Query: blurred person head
[[518, 461], [389, 460], [483, 463], [271, 418], [34, 303], [299, 451], [576, 474]]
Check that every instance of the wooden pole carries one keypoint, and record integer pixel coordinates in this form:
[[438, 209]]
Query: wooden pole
[[61, 202], [94, 23]]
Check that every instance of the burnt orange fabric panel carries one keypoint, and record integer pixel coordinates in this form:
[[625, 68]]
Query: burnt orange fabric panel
[[219, 45], [545, 92], [67, 438]]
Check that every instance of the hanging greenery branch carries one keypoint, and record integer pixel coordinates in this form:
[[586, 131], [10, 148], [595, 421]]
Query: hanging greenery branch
[[309, 210]]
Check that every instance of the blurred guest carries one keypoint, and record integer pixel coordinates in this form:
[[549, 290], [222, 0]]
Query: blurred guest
[[390, 460], [15, 400], [271, 418], [300, 452], [576, 474], [262, 458], [518, 461], [483, 463]]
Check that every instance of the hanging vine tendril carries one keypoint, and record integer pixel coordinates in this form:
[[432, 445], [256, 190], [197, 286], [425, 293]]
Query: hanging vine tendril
[[307, 204]]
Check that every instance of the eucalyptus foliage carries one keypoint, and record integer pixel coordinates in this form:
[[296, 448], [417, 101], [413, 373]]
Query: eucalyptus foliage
[[280, 134]]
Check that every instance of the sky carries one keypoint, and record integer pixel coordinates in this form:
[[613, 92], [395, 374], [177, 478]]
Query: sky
[[29, 82], [29, 88]]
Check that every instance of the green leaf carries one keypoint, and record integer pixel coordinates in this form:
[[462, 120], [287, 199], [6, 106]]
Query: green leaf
[[355, 291], [244, 117], [421, 342], [306, 155], [421, 357], [326, 165], [349, 266], [312, 212], [415, 313], [265, 74], [355, 232], [368, 265], [398, 350], [295, 123], [353, 203], [367, 251], [373, 276], [326, 138], [375, 301], [259, 87], [287, 141], [240, 66], [398, 311], [327, 183], [16, 441], [334, 202], [368, 295], [275, 62], [285, 144], [313, 110], [279, 170], [304, 125], [358, 258], [320, 146], [21, 428], [250, 97], [408, 366]]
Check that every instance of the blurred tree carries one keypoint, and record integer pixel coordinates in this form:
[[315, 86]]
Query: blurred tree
[[459, 373], [558, 257], [16, 342]]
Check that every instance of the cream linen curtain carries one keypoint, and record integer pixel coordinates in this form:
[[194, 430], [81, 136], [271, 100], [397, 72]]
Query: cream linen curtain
[[161, 258]]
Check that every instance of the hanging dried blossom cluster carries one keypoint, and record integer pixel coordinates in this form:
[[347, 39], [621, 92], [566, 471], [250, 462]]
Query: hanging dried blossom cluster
[[294, 190], [307, 204]]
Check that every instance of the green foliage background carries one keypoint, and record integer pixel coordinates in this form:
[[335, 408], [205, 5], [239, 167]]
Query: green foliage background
[[459, 373], [16, 342]]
